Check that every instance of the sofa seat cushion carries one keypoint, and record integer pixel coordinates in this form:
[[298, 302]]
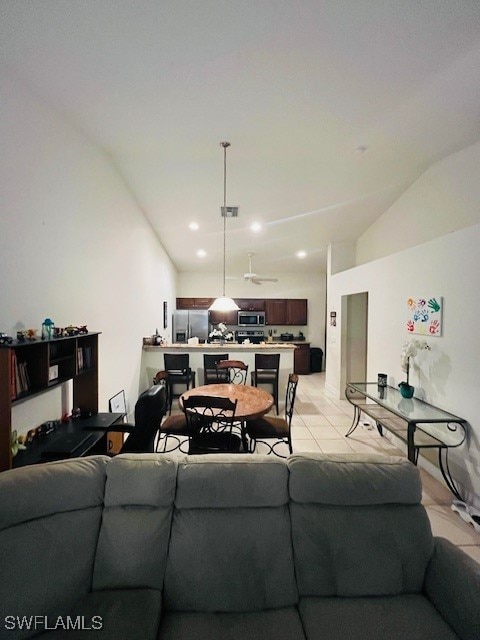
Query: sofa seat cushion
[[409, 616], [114, 614], [272, 624]]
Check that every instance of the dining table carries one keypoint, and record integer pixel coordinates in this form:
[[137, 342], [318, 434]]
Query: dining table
[[252, 402]]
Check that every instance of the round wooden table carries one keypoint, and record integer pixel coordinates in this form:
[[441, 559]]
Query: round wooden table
[[252, 402]]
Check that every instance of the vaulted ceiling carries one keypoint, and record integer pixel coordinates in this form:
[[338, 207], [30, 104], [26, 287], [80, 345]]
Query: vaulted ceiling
[[332, 108]]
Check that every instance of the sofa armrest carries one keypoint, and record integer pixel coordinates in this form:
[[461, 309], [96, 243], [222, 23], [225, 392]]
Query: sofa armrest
[[452, 583]]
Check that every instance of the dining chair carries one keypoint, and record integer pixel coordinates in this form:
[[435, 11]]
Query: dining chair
[[210, 373], [269, 428], [235, 371], [173, 427], [267, 367], [210, 422], [179, 373]]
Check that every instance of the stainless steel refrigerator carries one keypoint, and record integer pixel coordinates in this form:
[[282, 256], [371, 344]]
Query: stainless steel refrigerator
[[190, 324]]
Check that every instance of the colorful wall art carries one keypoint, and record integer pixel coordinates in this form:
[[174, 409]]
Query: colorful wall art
[[425, 315]]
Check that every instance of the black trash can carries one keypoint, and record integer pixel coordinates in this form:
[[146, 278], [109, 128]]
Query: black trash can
[[316, 358]]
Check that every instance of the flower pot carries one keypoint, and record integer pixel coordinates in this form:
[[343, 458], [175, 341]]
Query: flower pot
[[406, 389]]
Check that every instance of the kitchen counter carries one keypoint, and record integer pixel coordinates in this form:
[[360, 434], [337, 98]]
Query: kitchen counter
[[152, 358]]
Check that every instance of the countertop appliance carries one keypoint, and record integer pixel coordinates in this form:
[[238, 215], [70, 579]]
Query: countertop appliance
[[255, 336], [286, 337], [251, 318], [190, 324]]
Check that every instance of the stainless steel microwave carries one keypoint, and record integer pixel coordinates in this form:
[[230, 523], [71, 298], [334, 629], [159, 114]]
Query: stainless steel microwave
[[251, 318]]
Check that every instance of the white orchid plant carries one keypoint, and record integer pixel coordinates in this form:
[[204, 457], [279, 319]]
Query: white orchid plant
[[221, 331], [410, 350]]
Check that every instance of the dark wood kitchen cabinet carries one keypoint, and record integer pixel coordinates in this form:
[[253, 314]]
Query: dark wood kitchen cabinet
[[297, 311], [251, 304], [276, 311], [301, 358], [227, 317], [194, 303]]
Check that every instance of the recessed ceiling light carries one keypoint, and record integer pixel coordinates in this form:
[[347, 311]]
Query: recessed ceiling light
[[201, 253], [301, 254], [256, 226], [193, 226]]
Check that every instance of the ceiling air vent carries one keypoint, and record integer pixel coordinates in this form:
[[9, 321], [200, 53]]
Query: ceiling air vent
[[232, 212]]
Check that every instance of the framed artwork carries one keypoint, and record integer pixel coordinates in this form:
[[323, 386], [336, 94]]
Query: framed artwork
[[424, 315], [117, 403], [165, 315]]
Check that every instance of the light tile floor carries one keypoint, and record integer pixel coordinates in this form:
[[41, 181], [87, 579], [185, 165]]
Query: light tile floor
[[320, 423]]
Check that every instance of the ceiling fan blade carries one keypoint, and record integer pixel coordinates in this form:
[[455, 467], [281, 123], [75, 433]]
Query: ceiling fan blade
[[262, 279]]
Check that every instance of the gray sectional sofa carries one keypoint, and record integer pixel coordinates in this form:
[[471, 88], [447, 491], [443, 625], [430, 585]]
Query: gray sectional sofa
[[228, 547]]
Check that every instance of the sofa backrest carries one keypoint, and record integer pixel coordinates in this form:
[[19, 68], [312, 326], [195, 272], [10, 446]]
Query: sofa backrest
[[133, 542], [358, 526], [49, 524], [230, 547]]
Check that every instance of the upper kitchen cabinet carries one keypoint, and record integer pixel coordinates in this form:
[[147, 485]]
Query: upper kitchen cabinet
[[275, 311], [297, 311], [227, 317], [194, 303], [251, 304]]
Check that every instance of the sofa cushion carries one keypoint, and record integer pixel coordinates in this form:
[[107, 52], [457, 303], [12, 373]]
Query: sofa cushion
[[409, 616], [230, 548], [49, 525], [110, 615], [358, 528], [133, 542], [279, 624]]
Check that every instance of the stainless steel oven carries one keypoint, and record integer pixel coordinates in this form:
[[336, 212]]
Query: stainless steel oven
[[251, 318]]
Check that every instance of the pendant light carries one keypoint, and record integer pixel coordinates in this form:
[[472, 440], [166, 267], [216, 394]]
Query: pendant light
[[223, 303]]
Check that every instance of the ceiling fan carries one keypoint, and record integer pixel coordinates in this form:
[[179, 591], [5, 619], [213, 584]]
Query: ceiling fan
[[250, 276]]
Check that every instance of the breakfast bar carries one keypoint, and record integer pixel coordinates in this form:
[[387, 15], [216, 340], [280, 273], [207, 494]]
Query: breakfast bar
[[152, 358]]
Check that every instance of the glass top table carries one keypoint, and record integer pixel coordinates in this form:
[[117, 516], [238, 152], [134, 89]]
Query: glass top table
[[416, 422]]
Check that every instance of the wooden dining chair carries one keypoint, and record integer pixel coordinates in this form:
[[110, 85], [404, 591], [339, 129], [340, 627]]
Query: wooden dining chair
[[236, 371], [210, 373], [210, 422], [179, 373], [267, 368], [269, 428], [173, 427]]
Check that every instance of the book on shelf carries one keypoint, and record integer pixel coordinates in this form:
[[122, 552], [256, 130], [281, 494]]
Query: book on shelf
[[19, 378], [84, 358]]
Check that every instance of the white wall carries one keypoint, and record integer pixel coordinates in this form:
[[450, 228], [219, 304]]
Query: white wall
[[445, 198], [74, 247], [310, 286], [446, 266]]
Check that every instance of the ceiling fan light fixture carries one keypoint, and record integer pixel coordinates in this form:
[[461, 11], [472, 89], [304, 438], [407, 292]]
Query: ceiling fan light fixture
[[223, 303]]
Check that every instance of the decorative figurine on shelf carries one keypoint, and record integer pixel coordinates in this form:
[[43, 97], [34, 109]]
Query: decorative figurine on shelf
[[4, 339], [31, 334], [71, 330], [221, 333], [410, 350], [47, 329], [21, 335], [82, 329]]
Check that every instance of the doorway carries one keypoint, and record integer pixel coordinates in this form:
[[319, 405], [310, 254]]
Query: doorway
[[354, 341]]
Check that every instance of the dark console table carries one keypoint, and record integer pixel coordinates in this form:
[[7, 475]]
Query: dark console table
[[419, 424]]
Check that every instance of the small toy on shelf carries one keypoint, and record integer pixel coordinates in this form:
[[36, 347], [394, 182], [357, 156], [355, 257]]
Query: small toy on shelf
[[5, 339], [48, 327], [31, 334]]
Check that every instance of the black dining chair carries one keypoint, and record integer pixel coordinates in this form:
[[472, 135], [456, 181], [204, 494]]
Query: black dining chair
[[210, 422], [268, 428], [179, 372], [235, 371], [210, 373], [267, 368]]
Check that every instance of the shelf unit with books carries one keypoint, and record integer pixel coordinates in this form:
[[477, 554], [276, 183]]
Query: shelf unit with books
[[30, 368]]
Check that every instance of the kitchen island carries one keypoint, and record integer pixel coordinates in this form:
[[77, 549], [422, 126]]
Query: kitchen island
[[152, 358]]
